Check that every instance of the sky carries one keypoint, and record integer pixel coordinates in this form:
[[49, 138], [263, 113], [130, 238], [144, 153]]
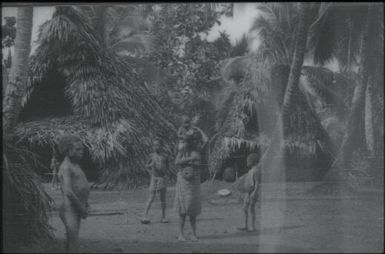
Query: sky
[[243, 16], [236, 26], [40, 15]]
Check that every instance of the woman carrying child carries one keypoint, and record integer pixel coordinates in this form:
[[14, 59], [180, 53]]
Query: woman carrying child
[[188, 194]]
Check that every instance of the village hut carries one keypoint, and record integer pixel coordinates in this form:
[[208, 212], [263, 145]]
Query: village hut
[[77, 85], [249, 117]]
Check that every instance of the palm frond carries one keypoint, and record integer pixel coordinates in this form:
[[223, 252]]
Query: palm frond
[[235, 68], [26, 215], [323, 34], [240, 48], [276, 26]]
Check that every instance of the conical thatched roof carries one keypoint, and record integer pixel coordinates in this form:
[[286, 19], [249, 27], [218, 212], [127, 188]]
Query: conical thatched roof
[[113, 112], [237, 118], [259, 95]]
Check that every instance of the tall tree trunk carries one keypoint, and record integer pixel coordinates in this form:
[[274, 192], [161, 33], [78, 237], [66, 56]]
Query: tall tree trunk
[[5, 78], [336, 179], [18, 73], [348, 61], [271, 158], [346, 150], [369, 128], [297, 62]]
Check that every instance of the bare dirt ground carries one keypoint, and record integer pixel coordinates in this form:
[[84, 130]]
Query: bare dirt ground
[[290, 220]]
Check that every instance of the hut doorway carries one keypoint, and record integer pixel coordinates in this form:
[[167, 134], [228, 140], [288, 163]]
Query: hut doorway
[[235, 164], [47, 99]]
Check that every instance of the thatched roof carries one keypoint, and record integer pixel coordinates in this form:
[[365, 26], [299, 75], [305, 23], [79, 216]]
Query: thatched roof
[[262, 93], [113, 111], [237, 118]]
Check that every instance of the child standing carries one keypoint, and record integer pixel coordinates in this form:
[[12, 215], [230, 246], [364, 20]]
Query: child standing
[[157, 166], [182, 133], [249, 185]]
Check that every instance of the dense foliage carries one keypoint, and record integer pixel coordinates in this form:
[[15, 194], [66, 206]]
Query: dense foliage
[[190, 62]]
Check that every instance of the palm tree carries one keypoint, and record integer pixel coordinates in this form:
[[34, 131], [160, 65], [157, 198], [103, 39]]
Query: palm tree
[[25, 214], [359, 93], [277, 27], [18, 72], [297, 61], [329, 29], [366, 21], [126, 31], [328, 39]]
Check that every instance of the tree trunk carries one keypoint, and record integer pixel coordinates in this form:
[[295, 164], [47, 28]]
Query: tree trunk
[[5, 78], [349, 62], [273, 157], [346, 150], [297, 62], [369, 128], [18, 73]]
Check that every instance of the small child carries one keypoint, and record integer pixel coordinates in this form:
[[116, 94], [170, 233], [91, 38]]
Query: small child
[[189, 130], [157, 166], [183, 132], [75, 189], [248, 185], [55, 164]]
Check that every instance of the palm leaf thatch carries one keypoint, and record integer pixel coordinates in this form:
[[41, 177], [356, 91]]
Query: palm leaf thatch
[[113, 111], [25, 218], [304, 134], [237, 122], [241, 47]]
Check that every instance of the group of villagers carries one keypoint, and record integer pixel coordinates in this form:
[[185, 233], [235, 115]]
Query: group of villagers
[[192, 140]]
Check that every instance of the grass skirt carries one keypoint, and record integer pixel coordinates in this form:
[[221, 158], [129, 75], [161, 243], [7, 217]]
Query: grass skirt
[[188, 195]]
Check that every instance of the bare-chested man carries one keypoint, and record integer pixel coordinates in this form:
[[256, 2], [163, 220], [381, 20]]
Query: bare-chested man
[[75, 189]]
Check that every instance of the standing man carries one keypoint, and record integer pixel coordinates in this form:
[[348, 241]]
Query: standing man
[[75, 189]]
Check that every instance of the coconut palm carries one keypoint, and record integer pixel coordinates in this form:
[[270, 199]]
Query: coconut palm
[[25, 213], [297, 61], [18, 72], [359, 93], [327, 33], [276, 29], [360, 37], [126, 31]]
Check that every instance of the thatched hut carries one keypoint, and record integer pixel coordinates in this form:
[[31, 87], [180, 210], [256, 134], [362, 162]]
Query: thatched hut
[[78, 86], [250, 116]]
